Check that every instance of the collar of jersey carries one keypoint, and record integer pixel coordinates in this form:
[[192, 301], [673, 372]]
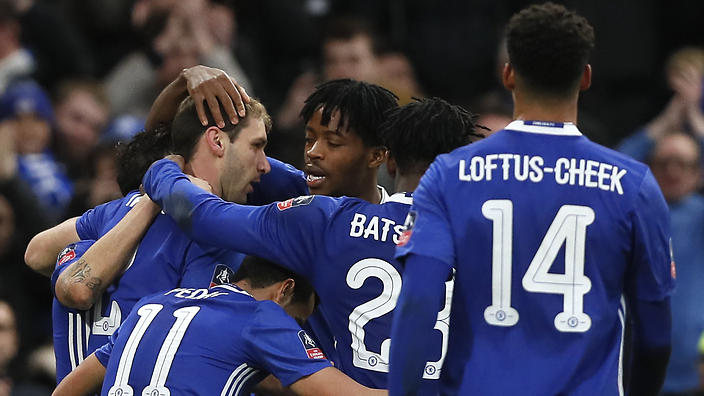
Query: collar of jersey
[[401, 197], [384, 194], [564, 129], [233, 288]]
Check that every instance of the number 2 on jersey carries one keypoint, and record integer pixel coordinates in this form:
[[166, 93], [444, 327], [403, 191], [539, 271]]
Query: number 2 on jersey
[[569, 227], [381, 305]]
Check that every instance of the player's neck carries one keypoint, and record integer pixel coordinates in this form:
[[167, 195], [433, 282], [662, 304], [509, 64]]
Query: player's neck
[[370, 192], [259, 293], [530, 107], [407, 183]]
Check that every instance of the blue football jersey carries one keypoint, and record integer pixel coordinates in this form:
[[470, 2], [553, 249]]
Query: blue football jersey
[[549, 235], [164, 259], [343, 246], [217, 341]]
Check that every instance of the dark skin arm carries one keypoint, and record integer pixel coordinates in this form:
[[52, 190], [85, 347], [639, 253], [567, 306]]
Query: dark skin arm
[[205, 85]]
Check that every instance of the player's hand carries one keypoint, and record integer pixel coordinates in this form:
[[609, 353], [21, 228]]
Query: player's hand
[[201, 183], [179, 160], [214, 86]]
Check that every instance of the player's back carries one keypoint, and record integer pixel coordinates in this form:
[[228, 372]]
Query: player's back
[[359, 281], [544, 225], [204, 342]]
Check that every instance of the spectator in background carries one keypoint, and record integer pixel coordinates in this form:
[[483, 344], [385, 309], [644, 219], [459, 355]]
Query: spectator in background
[[15, 61], [675, 163], [178, 36], [10, 384], [684, 71], [101, 186], [81, 114], [27, 117]]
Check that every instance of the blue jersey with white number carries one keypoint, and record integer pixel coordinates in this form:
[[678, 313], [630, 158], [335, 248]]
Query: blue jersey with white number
[[217, 341], [343, 246], [548, 232]]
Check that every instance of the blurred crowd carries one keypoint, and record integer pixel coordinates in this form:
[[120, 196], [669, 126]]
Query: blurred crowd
[[78, 78]]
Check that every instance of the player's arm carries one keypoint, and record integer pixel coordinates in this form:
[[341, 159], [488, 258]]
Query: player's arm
[[332, 382], [421, 297], [83, 282], [272, 386], [42, 250], [209, 220], [649, 284], [203, 84], [85, 379]]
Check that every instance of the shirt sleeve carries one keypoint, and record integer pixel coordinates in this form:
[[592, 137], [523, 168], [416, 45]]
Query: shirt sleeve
[[651, 276], [71, 253], [427, 227], [280, 346], [103, 353], [281, 183], [288, 233]]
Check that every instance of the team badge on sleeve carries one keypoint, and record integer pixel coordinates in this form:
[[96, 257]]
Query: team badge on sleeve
[[309, 345], [66, 255], [293, 202], [407, 228], [221, 275]]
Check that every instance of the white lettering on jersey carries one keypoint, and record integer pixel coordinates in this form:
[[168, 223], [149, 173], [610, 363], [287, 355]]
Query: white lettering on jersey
[[572, 171], [194, 294], [361, 227]]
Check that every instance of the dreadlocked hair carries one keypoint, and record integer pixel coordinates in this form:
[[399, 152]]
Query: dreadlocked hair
[[362, 107], [135, 156], [421, 130]]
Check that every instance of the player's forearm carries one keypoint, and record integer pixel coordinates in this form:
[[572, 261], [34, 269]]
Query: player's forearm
[[414, 319], [81, 284], [332, 382], [166, 104], [42, 250], [86, 379], [651, 350], [203, 216]]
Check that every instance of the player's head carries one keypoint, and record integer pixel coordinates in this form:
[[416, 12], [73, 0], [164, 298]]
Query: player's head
[[8, 334], [137, 155], [548, 49], [349, 50], [343, 149], [676, 165], [229, 158], [268, 281], [421, 130]]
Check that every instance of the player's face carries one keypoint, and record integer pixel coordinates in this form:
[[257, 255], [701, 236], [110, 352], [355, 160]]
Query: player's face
[[334, 160], [299, 310], [8, 334], [675, 165], [244, 162]]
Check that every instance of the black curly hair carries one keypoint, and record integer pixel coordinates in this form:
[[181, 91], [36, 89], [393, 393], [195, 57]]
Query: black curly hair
[[549, 46], [361, 105], [135, 157], [419, 131]]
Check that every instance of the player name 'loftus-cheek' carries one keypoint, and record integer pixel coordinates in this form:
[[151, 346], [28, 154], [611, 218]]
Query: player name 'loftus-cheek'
[[572, 171], [375, 227]]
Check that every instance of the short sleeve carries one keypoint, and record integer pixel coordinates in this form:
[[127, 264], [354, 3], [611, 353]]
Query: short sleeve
[[103, 353], [280, 346], [427, 228], [71, 253], [651, 275]]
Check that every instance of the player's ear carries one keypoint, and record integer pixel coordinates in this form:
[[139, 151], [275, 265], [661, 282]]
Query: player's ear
[[215, 140], [508, 77], [377, 156], [586, 81], [285, 291]]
